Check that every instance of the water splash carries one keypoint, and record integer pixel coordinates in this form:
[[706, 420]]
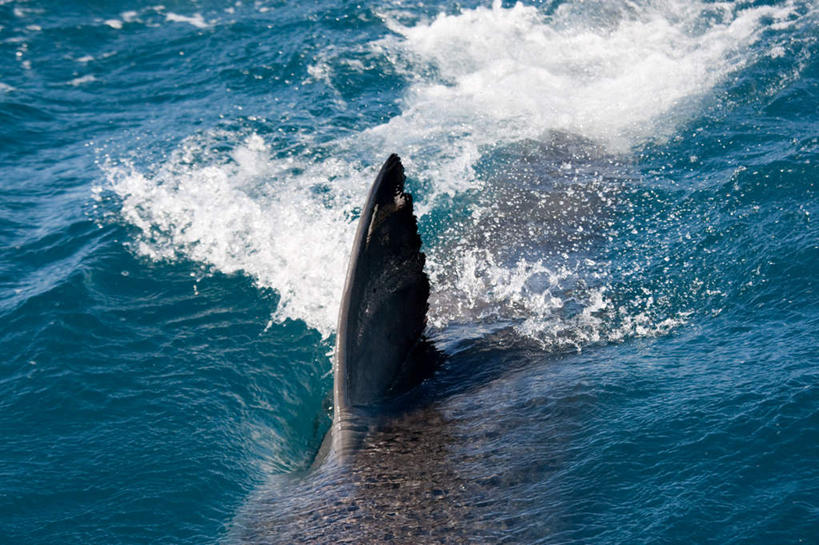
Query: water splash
[[616, 74]]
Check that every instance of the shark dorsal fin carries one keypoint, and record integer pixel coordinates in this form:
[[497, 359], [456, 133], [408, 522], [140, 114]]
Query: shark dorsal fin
[[383, 309]]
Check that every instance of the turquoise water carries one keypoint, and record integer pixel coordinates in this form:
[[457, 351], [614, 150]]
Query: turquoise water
[[618, 204]]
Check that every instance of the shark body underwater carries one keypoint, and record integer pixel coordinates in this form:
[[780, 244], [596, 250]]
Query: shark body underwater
[[423, 448]]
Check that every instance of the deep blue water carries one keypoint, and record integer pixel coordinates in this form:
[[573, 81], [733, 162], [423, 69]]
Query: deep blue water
[[618, 203]]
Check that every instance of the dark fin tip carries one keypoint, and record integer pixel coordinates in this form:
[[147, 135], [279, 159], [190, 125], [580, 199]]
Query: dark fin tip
[[390, 180]]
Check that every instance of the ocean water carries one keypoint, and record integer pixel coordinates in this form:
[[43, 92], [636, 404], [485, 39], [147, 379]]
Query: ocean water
[[618, 202]]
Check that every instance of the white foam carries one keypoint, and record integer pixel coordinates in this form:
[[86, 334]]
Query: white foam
[[114, 23], [6, 88], [196, 19], [82, 80], [265, 218], [776, 52], [619, 73], [513, 73]]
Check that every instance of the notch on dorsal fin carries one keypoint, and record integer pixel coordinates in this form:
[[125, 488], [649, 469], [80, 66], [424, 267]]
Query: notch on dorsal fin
[[379, 347]]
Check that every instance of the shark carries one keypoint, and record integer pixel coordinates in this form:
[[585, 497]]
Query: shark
[[380, 350], [446, 444]]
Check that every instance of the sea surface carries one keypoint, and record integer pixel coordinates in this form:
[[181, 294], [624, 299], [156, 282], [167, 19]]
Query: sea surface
[[618, 203]]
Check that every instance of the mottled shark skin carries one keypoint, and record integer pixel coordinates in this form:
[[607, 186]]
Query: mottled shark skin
[[380, 352]]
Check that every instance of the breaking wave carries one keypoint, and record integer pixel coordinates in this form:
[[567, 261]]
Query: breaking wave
[[479, 83]]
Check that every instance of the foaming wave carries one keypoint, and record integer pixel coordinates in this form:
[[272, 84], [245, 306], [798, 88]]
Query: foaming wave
[[274, 220], [617, 74]]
